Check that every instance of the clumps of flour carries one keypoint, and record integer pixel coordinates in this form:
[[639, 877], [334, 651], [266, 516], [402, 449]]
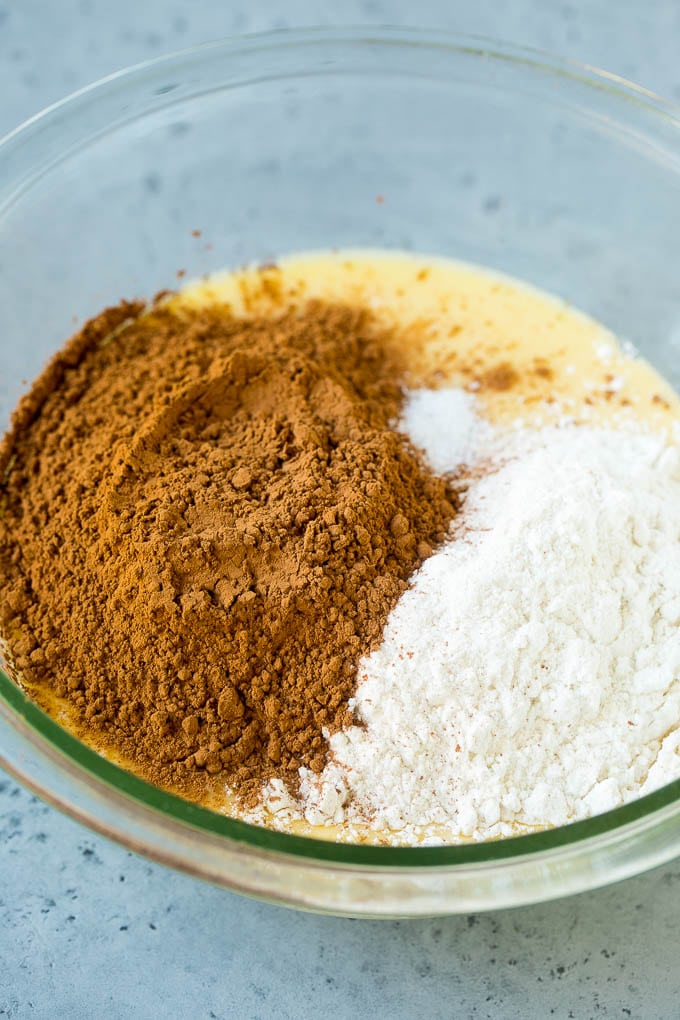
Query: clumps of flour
[[530, 676]]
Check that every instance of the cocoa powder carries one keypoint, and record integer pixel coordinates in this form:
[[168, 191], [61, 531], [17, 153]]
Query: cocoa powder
[[205, 523]]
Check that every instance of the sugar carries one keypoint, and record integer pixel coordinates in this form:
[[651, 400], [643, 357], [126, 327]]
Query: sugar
[[443, 424]]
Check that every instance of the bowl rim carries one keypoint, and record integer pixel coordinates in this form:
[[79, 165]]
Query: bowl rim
[[68, 752], [386, 34]]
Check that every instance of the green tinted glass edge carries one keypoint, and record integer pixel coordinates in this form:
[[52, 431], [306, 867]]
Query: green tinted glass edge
[[19, 704]]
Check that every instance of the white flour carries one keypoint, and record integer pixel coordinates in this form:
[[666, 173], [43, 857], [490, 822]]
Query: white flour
[[531, 674]]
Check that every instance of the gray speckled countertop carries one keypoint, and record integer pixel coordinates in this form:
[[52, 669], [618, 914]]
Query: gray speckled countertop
[[88, 929]]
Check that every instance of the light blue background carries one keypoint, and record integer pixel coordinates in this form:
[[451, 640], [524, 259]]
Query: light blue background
[[90, 930]]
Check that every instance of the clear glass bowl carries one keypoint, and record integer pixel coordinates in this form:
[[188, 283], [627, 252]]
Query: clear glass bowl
[[558, 174]]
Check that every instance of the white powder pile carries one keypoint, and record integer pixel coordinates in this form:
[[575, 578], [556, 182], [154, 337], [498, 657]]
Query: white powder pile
[[443, 424], [531, 674]]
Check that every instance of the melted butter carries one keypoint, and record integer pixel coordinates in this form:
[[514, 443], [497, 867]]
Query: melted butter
[[527, 355]]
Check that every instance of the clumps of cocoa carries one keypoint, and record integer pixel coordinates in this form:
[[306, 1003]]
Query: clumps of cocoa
[[205, 522]]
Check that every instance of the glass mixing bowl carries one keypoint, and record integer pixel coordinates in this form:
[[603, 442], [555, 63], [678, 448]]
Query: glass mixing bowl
[[564, 176]]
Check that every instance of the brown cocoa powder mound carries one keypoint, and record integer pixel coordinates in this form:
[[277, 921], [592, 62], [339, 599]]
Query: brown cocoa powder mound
[[205, 523]]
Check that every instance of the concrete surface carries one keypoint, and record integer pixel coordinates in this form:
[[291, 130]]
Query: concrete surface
[[90, 930]]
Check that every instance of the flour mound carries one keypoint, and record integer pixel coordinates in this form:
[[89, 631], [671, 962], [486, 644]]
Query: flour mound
[[530, 676]]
